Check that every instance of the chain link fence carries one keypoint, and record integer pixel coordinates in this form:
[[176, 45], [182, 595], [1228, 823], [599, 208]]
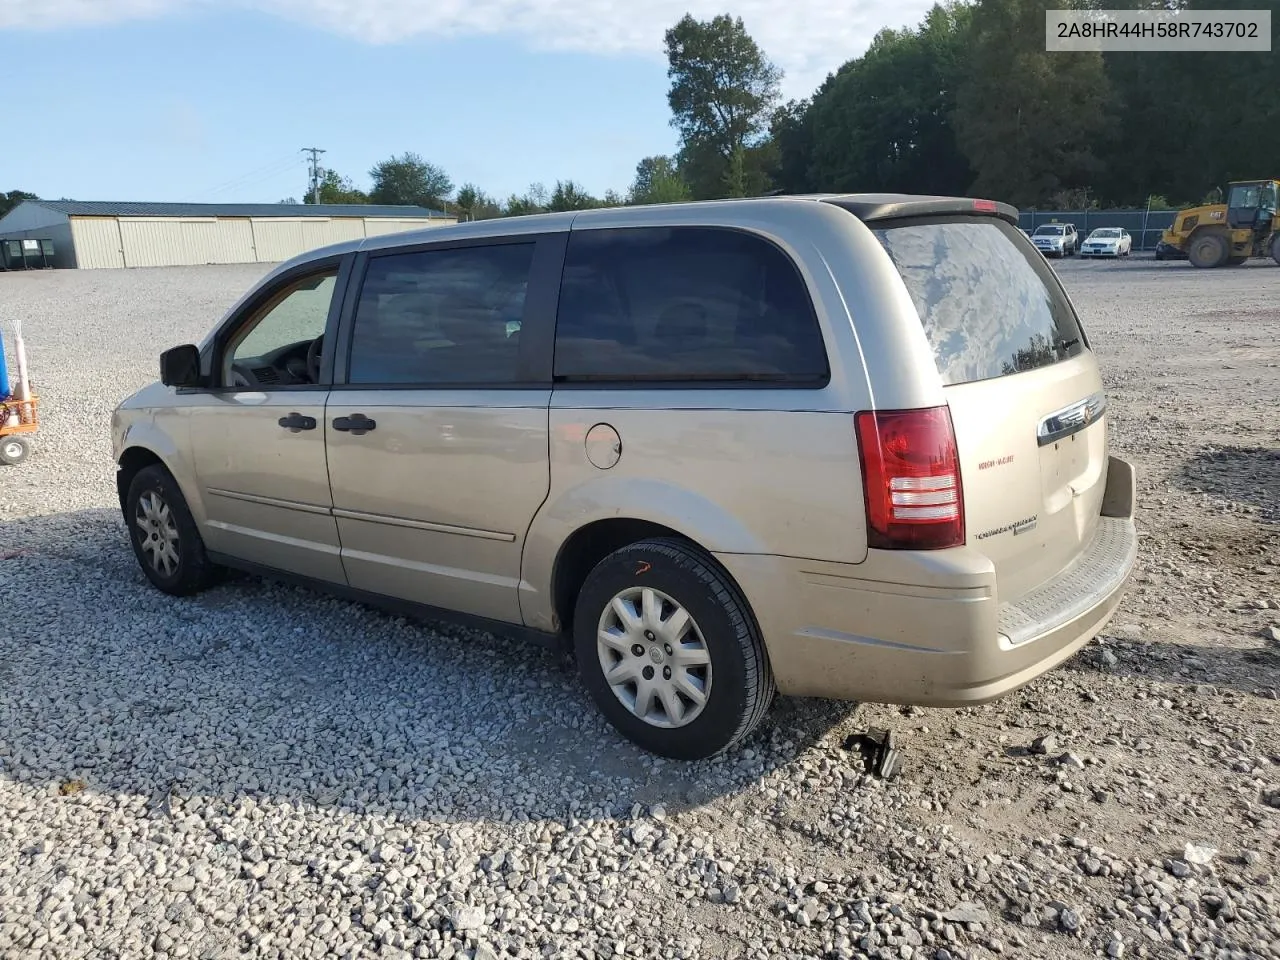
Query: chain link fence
[[1145, 226]]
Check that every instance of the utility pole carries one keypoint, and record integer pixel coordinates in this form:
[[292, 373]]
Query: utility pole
[[315, 171]]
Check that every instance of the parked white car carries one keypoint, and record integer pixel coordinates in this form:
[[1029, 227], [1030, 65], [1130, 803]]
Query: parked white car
[[1107, 242]]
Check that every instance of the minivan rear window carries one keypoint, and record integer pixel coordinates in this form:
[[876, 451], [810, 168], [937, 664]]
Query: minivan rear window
[[989, 304]]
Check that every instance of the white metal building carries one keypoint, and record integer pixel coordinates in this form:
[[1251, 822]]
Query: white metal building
[[92, 234]]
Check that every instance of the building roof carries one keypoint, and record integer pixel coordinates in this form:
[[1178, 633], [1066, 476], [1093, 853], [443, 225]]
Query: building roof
[[108, 208]]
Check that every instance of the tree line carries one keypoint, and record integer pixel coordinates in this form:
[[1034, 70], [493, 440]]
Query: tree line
[[967, 102]]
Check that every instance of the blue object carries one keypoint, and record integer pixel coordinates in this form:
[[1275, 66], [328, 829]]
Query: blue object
[[4, 372]]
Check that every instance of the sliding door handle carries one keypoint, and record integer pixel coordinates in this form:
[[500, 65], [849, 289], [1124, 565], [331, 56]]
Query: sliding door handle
[[296, 422], [357, 424]]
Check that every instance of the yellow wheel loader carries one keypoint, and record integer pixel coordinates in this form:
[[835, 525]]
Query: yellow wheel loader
[[1230, 233]]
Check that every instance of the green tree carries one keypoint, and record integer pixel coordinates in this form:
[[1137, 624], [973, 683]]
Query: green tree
[[335, 188], [657, 181], [1187, 122], [571, 196], [408, 179], [723, 90], [746, 172], [534, 200], [14, 197], [474, 204], [1030, 122], [884, 121], [791, 132], [1074, 198]]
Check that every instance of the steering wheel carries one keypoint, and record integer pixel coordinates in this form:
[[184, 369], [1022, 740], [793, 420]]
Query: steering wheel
[[313, 358]]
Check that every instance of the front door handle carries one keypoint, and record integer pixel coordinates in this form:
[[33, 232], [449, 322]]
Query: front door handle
[[296, 422], [357, 424]]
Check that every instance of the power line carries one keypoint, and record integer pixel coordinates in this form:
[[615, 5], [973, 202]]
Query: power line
[[265, 176], [315, 171], [272, 169]]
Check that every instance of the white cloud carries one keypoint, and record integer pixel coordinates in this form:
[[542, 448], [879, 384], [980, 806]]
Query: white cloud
[[807, 38]]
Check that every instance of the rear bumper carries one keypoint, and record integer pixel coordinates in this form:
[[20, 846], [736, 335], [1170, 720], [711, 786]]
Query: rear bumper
[[929, 628]]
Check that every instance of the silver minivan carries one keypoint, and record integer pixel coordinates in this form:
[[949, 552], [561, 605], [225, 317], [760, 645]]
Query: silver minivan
[[834, 446]]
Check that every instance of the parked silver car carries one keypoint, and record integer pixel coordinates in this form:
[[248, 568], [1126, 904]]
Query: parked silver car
[[1056, 239], [838, 446]]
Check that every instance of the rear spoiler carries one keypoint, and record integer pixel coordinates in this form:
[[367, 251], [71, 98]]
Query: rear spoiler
[[894, 206]]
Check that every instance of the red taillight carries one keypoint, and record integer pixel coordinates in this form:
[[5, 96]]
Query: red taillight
[[911, 478], [984, 206]]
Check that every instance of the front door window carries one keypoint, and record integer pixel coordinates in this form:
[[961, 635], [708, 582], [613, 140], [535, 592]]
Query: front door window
[[281, 344]]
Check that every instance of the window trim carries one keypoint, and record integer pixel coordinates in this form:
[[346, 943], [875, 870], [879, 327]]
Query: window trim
[[214, 355], [536, 326], [1039, 265], [744, 382]]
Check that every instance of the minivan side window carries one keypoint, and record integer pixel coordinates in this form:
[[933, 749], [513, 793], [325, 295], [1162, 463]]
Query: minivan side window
[[687, 305], [443, 316]]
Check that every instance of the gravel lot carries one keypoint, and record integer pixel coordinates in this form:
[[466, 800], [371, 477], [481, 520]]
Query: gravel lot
[[262, 771]]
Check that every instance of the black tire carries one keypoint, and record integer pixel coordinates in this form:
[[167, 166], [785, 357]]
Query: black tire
[[193, 571], [1209, 250], [13, 450], [1275, 248], [741, 687]]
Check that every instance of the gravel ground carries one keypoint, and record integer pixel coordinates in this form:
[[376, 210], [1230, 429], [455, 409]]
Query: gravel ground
[[263, 771]]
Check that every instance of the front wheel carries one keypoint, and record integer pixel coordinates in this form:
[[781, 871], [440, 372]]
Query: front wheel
[[1209, 250], [164, 535], [669, 650]]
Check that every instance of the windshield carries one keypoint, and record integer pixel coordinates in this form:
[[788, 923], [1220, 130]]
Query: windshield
[[1105, 233], [1248, 197], [1048, 231]]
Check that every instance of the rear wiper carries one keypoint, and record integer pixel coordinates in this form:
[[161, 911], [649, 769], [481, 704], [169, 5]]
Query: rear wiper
[[1068, 344]]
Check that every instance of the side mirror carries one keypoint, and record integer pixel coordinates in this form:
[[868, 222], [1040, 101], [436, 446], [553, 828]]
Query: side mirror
[[180, 366]]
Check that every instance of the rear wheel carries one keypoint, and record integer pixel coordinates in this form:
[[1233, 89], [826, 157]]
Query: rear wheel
[[1209, 250], [164, 535], [13, 450], [669, 650], [1275, 248]]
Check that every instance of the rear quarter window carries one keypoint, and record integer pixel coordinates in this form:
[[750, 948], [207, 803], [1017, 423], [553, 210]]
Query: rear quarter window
[[989, 304], [685, 305]]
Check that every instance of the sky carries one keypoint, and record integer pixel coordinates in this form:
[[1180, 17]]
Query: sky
[[213, 100]]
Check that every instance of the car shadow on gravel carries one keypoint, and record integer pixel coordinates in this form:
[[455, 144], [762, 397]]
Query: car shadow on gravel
[[289, 695], [1247, 475], [1252, 669]]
